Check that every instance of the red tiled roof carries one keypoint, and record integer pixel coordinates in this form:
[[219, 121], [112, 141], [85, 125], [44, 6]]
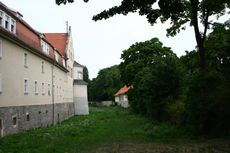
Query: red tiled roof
[[59, 40], [123, 90]]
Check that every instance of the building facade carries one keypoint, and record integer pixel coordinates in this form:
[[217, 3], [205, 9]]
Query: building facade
[[121, 97], [36, 75], [80, 91]]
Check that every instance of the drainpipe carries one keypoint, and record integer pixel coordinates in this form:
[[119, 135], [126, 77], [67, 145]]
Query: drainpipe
[[52, 82]]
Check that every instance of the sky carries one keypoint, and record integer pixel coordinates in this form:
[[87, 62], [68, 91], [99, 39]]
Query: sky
[[98, 44]]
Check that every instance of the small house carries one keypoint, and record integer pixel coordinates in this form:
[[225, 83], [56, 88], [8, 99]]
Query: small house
[[121, 97]]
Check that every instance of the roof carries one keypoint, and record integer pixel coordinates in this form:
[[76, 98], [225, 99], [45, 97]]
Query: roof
[[77, 64], [59, 40], [79, 82], [29, 38], [123, 90]]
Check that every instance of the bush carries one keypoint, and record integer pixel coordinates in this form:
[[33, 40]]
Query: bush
[[208, 102]]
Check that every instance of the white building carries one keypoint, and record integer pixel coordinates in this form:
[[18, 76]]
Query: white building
[[80, 91]]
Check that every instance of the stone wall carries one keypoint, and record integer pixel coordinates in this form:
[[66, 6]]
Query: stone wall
[[21, 118]]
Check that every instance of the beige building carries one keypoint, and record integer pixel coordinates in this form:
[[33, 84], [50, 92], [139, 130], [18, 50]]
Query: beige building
[[36, 75]]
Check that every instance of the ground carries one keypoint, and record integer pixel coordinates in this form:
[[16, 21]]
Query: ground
[[111, 130]]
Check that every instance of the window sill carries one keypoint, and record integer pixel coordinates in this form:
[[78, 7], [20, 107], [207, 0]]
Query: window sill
[[26, 93], [25, 66], [35, 93]]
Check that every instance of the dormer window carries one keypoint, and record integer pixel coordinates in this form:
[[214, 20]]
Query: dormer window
[[7, 21], [12, 26], [45, 47], [63, 62], [56, 56], [1, 18]]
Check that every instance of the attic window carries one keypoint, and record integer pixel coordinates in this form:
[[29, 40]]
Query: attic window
[[1, 18], [45, 47], [7, 21], [12, 26], [56, 56]]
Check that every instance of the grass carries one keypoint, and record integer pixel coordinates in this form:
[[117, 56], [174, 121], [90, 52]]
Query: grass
[[109, 129]]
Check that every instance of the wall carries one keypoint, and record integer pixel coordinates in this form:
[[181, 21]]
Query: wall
[[81, 100], [43, 109]]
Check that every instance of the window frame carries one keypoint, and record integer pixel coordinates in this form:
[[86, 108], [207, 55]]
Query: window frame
[[43, 67], [2, 18], [49, 90], [43, 88], [7, 22], [36, 87], [12, 23], [14, 121], [26, 86], [25, 59]]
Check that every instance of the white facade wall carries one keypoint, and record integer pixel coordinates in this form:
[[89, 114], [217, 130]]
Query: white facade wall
[[14, 72]]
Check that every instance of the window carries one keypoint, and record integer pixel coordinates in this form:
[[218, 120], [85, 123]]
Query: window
[[14, 121], [49, 93], [36, 87], [80, 76], [13, 26], [63, 62], [43, 88], [25, 60], [43, 67], [27, 117], [1, 18], [0, 49], [7, 21], [45, 47], [26, 86], [0, 83], [56, 56]]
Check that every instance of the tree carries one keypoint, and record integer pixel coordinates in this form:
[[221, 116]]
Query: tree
[[106, 84], [58, 2], [179, 12], [85, 74], [152, 70]]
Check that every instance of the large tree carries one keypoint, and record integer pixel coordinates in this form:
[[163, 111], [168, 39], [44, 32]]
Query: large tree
[[151, 69], [179, 12]]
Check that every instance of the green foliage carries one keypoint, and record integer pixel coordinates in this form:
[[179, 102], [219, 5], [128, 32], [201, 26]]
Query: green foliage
[[178, 12], [107, 83], [208, 91], [152, 70], [85, 74]]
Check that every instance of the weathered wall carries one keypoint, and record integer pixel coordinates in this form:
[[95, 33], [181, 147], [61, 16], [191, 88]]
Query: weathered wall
[[39, 116]]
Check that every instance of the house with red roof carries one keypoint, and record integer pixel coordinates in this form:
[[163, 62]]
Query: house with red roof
[[121, 97], [36, 75]]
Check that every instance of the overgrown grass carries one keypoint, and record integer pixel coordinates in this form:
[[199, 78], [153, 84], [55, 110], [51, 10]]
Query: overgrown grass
[[104, 126]]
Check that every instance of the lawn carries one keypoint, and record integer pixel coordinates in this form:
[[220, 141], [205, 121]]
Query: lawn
[[110, 130]]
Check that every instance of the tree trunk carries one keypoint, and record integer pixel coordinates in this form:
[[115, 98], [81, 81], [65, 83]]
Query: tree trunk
[[199, 40]]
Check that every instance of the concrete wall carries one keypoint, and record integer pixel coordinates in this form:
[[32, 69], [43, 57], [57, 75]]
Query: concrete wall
[[81, 100]]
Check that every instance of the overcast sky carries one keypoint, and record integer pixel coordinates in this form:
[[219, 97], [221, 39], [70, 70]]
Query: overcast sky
[[97, 44]]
